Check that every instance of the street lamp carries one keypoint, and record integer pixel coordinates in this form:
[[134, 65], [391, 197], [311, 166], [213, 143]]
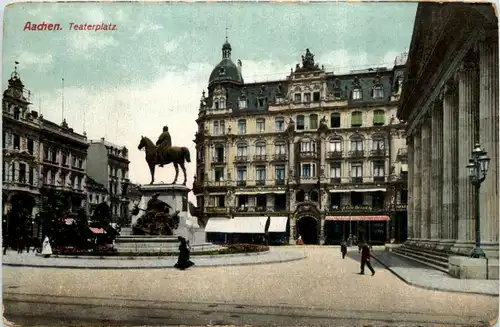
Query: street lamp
[[478, 167]]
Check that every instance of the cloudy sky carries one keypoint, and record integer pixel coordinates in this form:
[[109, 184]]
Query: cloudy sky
[[152, 69]]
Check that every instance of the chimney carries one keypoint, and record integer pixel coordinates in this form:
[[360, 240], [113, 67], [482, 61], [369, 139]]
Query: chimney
[[239, 67]]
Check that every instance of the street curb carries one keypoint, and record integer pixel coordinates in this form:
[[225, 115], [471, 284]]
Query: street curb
[[428, 287], [170, 266]]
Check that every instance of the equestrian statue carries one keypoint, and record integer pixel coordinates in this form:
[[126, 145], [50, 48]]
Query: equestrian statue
[[163, 153]]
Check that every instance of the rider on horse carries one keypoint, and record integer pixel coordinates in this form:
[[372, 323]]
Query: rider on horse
[[164, 142]]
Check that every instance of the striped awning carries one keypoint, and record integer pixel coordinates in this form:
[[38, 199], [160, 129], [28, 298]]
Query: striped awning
[[278, 224], [357, 218], [97, 230]]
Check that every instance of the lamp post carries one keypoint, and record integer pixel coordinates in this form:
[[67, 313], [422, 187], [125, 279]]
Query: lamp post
[[478, 167]]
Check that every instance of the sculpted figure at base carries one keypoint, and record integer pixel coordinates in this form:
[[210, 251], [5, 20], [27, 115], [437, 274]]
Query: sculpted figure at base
[[157, 220], [163, 153]]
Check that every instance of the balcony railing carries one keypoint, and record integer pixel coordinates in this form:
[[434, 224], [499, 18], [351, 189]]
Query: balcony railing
[[335, 155], [241, 183], [279, 157], [357, 180], [357, 153], [260, 157], [217, 209], [335, 180], [308, 155], [354, 208], [217, 183], [279, 182], [219, 160], [241, 159], [377, 152], [261, 208], [378, 178], [260, 182]]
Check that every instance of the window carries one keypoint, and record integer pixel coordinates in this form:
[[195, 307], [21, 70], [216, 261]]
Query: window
[[260, 149], [300, 122], [316, 96], [54, 157], [220, 201], [378, 169], [357, 169], [17, 142], [357, 144], [222, 104], [243, 103], [378, 144], [335, 145], [378, 117], [337, 93], [242, 126], [216, 105], [298, 97], [280, 148], [262, 102], [17, 113], [356, 119], [308, 170], [222, 128], [307, 146], [357, 94], [378, 92], [22, 173], [313, 121], [260, 174], [261, 125], [63, 179], [241, 150], [280, 173], [216, 128], [13, 171], [307, 97], [357, 198], [219, 174], [30, 146], [335, 120], [280, 124], [242, 201], [219, 153], [74, 162], [335, 170], [4, 140], [241, 174]]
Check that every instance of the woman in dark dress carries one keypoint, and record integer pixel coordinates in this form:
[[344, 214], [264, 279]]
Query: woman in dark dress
[[183, 261]]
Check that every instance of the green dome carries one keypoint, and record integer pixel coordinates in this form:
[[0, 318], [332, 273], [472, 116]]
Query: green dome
[[225, 71]]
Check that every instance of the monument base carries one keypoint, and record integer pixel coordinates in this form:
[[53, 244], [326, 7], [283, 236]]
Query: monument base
[[473, 268], [156, 244]]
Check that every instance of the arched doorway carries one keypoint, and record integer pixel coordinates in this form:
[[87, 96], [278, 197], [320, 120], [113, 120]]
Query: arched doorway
[[307, 227]]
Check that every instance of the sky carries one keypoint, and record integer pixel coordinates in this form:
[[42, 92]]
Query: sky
[[152, 69]]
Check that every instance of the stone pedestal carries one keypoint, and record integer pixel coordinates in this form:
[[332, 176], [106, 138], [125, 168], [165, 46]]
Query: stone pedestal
[[177, 197], [472, 268]]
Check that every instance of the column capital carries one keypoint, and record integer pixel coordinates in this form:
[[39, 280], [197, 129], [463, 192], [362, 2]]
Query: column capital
[[449, 87], [470, 62], [437, 105]]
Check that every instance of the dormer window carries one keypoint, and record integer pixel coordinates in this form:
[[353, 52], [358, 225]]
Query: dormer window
[[298, 97], [337, 93], [222, 71], [262, 102], [216, 104], [243, 104], [378, 91], [222, 103], [17, 113], [357, 94]]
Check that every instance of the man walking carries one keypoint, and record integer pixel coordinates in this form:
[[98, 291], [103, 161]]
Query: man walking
[[365, 258], [343, 249]]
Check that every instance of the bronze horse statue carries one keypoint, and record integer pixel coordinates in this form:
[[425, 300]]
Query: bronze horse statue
[[174, 154]]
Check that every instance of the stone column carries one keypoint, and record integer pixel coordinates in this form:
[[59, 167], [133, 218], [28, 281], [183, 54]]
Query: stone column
[[488, 136], [468, 101], [436, 196], [410, 213], [426, 179], [417, 183], [450, 168]]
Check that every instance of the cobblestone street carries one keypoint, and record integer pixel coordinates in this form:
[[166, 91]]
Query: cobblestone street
[[322, 285]]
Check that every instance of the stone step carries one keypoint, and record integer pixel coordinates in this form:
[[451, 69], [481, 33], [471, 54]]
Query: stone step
[[437, 267], [437, 254], [440, 265], [439, 257]]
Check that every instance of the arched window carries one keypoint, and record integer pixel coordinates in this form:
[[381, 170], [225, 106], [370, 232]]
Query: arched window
[[280, 148], [335, 120], [300, 196], [313, 121], [378, 142], [314, 196], [241, 150], [300, 122], [307, 146], [356, 119], [260, 149], [378, 117], [335, 145], [356, 143]]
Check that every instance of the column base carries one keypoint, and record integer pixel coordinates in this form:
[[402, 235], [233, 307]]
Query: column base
[[292, 241], [445, 245], [462, 247], [490, 249], [473, 268]]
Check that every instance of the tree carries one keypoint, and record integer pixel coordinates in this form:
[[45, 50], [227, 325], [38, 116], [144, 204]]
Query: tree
[[102, 215], [83, 228]]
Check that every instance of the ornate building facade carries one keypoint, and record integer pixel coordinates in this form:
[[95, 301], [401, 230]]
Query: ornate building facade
[[39, 156], [451, 103], [322, 149], [109, 166]]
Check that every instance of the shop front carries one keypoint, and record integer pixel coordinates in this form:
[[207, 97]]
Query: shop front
[[373, 229]]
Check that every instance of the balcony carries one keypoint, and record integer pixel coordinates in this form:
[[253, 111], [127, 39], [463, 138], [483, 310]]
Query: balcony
[[308, 155], [241, 159], [217, 209], [335, 180], [335, 155], [219, 161], [279, 157], [260, 157], [379, 179], [260, 182], [217, 183], [241, 183], [356, 180], [356, 154], [377, 153], [279, 182]]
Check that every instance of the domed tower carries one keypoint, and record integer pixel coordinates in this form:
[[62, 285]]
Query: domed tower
[[226, 70]]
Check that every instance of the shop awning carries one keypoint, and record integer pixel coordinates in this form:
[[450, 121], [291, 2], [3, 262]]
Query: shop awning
[[338, 191], [370, 190], [357, 218], [249, 225], [278, 224], [97, 230], [404, 168], [219, 225]]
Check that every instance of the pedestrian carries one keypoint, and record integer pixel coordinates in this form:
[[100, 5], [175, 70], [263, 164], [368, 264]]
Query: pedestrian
[[343, 249], [299, 241], [365, 258], [183, 261], [46, 248], [28, 243], [5, 241]]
